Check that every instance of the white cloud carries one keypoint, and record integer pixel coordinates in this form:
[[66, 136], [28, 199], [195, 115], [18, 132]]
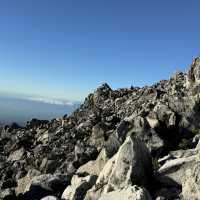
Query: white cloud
[[51, 101]]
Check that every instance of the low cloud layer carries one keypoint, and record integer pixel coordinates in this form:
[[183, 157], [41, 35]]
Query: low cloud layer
[[51, 101]]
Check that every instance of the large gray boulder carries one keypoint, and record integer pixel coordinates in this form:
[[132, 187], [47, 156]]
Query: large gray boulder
[[97, 138], [131, 165]]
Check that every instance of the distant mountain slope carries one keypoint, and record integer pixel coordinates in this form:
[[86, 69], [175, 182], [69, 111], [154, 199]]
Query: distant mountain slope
[[21, 110]]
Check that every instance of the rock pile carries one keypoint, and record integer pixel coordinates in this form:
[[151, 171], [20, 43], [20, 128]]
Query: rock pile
[[131, 143]]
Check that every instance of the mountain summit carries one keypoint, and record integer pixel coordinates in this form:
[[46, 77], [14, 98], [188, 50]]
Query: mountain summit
[[131, 143]]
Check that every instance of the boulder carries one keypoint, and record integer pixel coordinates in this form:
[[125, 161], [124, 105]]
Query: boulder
[[193, 75], [95, 167], [97, 138], [84, 153], [23, 182], [125, 168], [7, 194], [153, 122], [191, 181], [174, 166], [173, 171], [191, 184], [165, 115], [101, 94], [78, 188], [49, 166], [16, 155], [42, 185]]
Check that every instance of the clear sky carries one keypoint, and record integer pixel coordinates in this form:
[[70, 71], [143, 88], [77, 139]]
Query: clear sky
[[66, 48]]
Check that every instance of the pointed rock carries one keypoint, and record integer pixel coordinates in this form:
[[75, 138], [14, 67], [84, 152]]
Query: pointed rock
[[125, 168]]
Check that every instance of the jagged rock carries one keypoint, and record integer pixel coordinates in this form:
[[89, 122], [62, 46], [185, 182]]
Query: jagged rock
[[172, 172], [95, 167], [125, 168], [78, 188], [194, 71], [153, 121], [43, 137], [84, 153], [175, 169], [16, 155], [101, 93], [112, 145], [49, 166], [23, 182], [33, 186], [165, 114], [127, 193], [98, 136]]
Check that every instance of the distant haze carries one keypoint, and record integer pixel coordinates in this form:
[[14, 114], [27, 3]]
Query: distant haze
[[19, 110]]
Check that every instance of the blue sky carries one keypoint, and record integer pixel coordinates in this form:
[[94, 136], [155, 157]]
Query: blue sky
[[65, 48]]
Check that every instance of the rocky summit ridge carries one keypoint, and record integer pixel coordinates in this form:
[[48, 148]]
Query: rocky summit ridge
[[126, 144]]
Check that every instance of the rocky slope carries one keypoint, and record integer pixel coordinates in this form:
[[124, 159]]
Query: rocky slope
[[131, 143]]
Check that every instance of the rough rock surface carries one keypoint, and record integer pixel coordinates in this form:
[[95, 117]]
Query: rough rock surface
[[128, 193], [95, 167], [131, 162], [164, 117], [191, 183], [78, 188]]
